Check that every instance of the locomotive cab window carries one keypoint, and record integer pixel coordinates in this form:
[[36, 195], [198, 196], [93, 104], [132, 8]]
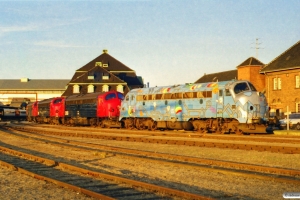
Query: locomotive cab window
[[252, 87], [110, 96], [241, 87], [120, 96], [57, 101]]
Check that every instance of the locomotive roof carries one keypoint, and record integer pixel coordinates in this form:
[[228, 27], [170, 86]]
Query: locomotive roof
[[209, 86], [86, 96], [45, 101]]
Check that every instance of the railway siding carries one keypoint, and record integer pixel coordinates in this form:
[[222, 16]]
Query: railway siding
[[35, 166], [202, 181], [200, 142]]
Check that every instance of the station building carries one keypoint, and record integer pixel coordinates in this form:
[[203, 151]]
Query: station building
[[103, 74]]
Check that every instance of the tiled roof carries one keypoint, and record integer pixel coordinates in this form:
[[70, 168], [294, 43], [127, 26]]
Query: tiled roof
[[290, 59], [33, 84], [220, 76], [112, 64], [250, 61]]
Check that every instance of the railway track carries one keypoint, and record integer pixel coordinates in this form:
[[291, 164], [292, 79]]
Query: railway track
[[240, 169], [92, 183], [88, 146], [241, 143]]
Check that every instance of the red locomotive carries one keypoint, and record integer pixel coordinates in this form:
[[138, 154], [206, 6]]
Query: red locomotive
[[95, 109]]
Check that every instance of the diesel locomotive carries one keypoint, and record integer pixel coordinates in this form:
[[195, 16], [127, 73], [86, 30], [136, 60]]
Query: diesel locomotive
[[95, 109], [224, 107]]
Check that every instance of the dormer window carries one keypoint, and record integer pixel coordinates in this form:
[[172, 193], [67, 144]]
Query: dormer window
[[91, 77], [76, 89], [105, 76], [98, 64], [105, 65]]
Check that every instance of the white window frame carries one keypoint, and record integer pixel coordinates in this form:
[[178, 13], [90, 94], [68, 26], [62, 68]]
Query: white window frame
[[90, 88], [76, 89], [105, 77], [297, 80], [105, 88], [275, 83], [120, 88]]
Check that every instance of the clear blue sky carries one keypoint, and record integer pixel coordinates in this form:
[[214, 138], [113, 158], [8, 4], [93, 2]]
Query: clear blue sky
[[166, 42]]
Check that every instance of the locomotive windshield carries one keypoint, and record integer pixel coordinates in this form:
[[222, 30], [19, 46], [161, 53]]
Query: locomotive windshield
[[252, 86], [120, 96], [113, 96], [110, 96], [241, 87]]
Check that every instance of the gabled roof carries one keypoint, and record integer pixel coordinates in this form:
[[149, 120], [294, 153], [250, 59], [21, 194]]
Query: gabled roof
[[220, 76], [113, 64], [290, 59], [33, 84], [250, 61]]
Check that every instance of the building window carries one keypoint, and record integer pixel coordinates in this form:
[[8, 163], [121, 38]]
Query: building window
[[105, 88], [99, 64], [297, 79], [120, 88], [90, 88], [105, 76], [277, 83], [76, 88]]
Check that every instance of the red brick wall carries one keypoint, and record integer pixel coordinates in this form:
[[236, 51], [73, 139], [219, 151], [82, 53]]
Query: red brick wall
[[288, 94]]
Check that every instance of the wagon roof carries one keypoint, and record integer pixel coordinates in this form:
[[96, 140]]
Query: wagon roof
[[84, 96]]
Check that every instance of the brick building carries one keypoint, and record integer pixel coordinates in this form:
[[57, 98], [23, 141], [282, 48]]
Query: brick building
[[282, 81]]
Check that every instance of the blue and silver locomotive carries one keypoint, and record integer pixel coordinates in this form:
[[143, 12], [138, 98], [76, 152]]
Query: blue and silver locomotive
[[225, 107]]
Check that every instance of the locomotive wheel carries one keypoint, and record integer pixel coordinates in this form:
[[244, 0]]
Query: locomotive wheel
[[298, 126], [129, 124], [102, 125], [139, 125], [153, 126]]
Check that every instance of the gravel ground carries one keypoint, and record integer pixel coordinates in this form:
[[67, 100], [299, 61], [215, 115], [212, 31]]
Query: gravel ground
[[17, 186], [218, 185]]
